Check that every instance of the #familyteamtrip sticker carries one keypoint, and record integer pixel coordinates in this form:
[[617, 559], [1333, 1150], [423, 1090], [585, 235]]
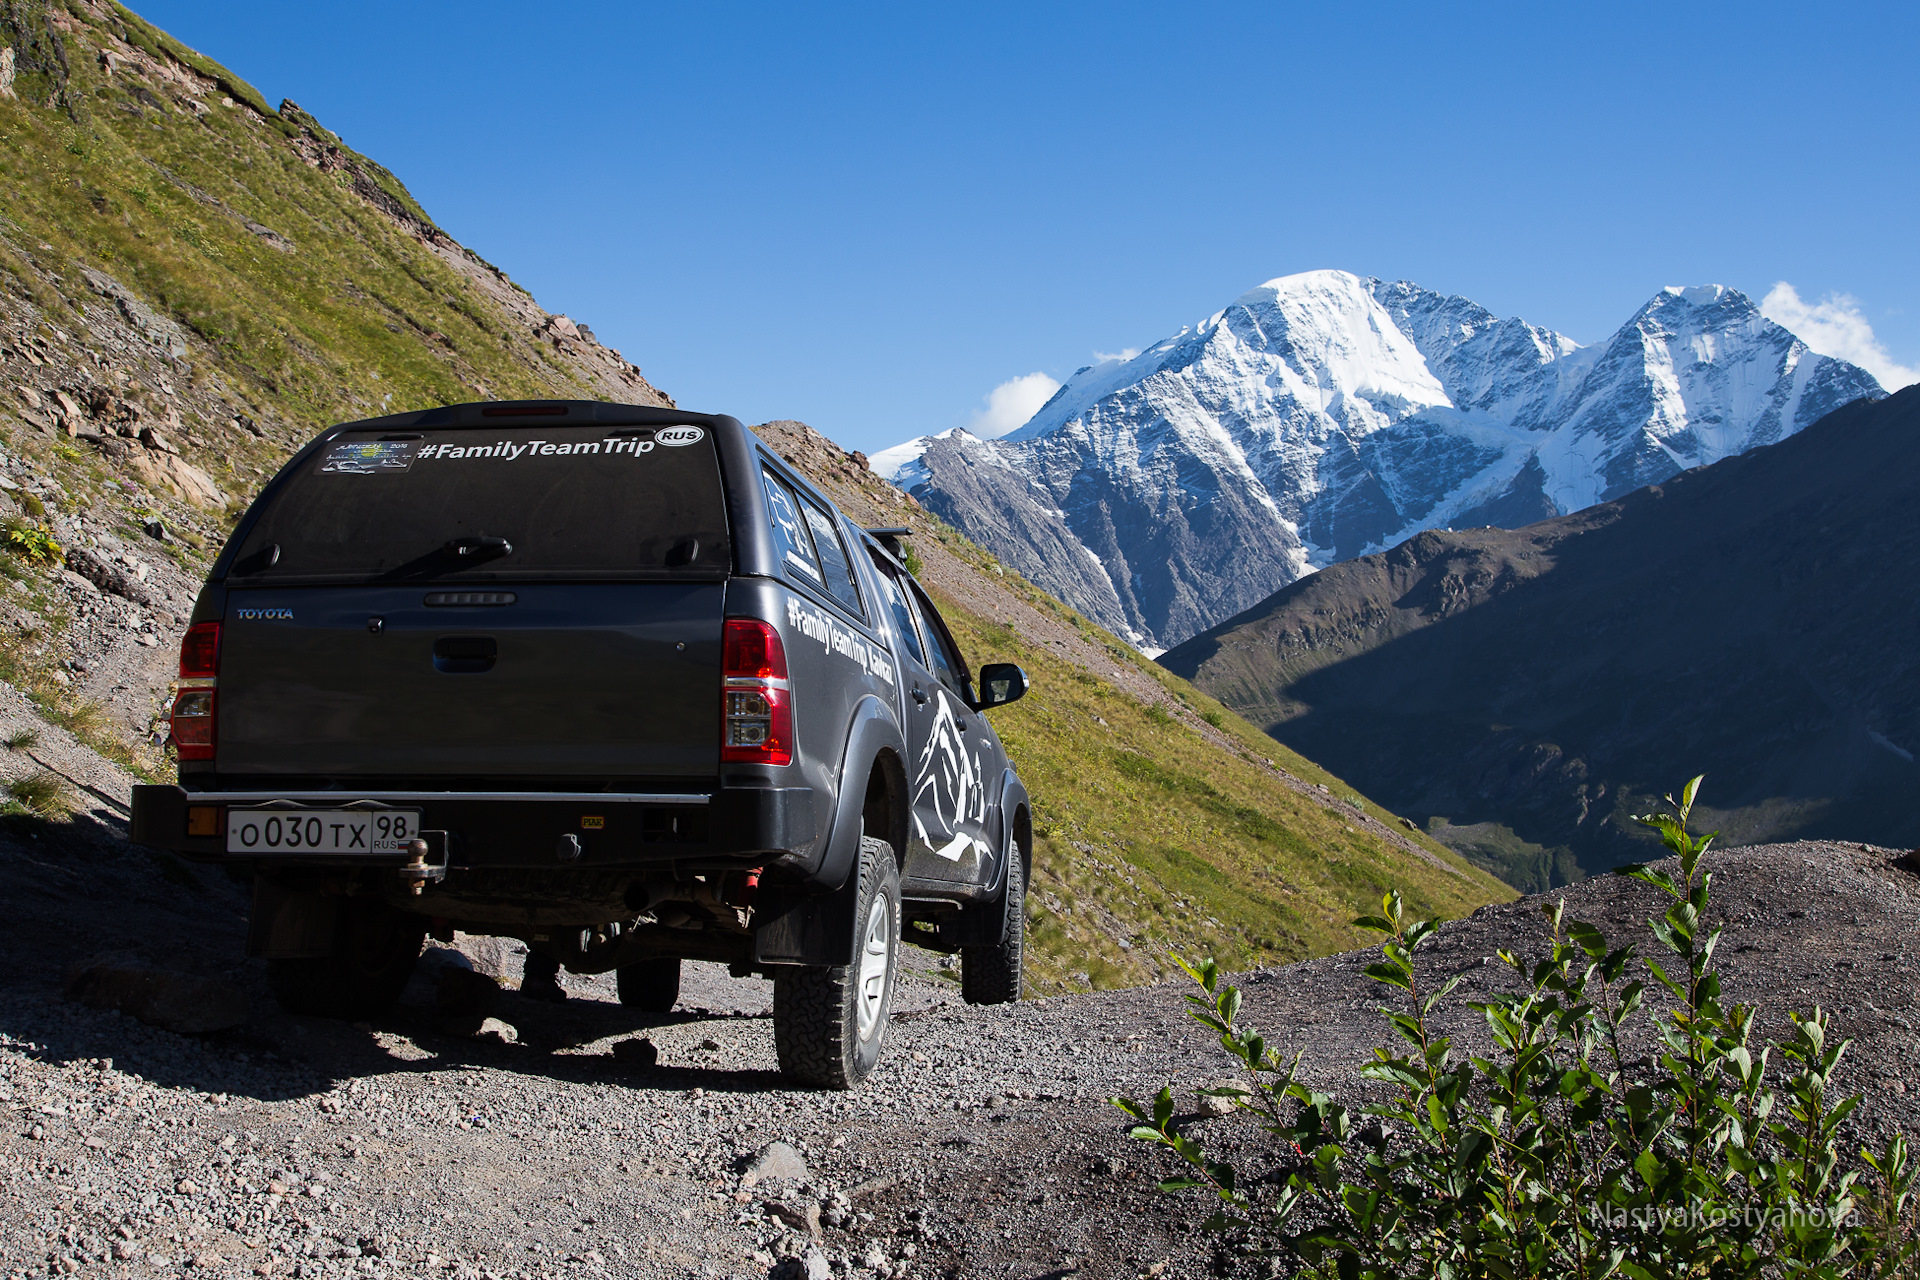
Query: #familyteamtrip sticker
[[372, 457]]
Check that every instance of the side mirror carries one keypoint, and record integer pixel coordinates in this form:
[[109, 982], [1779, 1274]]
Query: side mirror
[[1000, 683]]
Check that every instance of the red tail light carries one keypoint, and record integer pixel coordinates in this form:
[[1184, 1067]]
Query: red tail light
[[200, 652], [756, 725], [194, 706]]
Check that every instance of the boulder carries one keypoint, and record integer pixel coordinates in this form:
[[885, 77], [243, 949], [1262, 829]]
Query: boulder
[[775, 1162], [159, 997], [108, 576], [636, 1051], [174, 473]]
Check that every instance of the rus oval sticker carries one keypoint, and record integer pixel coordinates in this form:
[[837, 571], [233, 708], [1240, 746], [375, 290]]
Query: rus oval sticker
[[674, 437]]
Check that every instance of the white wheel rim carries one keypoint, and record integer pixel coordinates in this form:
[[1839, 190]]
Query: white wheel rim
[[872, 977]]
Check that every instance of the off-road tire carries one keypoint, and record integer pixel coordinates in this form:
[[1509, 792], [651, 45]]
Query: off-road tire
[[817, 1009], [375, 950], [991, 975], [651, 986]]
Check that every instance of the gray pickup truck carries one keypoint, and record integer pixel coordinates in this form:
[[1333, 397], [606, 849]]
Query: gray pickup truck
[[612, 680]]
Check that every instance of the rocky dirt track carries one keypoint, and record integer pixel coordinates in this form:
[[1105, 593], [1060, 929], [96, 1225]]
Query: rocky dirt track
[[982, 1147]]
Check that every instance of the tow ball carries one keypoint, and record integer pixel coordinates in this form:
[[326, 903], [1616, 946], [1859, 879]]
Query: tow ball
[[416, 872]]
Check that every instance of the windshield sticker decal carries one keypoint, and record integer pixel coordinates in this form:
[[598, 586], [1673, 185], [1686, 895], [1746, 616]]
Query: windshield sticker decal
[[369, 457], [816, 624]]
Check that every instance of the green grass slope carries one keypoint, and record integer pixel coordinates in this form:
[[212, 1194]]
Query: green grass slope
[[1163, 821], [310, 283]]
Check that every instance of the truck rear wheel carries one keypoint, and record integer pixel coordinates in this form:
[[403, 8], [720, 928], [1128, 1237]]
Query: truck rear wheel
[[830, 1021], [651, 986], [375, 949], [991, 975]]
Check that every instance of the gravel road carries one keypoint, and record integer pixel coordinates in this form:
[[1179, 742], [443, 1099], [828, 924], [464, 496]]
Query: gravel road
[[982, 1147]]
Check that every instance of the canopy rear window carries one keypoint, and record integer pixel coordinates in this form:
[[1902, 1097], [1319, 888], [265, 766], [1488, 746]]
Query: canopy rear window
[[497, 505]]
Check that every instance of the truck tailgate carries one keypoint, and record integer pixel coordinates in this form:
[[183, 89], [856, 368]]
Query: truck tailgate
[[570, 680]]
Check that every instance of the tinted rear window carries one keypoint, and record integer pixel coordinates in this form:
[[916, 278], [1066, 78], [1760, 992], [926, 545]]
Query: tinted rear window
[[599, 502]]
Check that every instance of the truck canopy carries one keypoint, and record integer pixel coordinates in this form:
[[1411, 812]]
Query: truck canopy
[[495, 505]]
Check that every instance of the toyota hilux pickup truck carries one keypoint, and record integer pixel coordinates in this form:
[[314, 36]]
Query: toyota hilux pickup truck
[[612, 680]]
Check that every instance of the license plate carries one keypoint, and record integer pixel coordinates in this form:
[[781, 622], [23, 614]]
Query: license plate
[[320, 830]]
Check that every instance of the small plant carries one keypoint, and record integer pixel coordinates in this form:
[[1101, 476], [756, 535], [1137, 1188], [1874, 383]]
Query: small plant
[[22, 740], [912, 561], [1556, 1155], [1157, 716], [1354, 802], [1213, 718], [32, 542], [41, 793]]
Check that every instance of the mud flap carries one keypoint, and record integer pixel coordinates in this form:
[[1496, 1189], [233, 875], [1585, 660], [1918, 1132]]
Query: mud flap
[[793, 926], [289, 924]]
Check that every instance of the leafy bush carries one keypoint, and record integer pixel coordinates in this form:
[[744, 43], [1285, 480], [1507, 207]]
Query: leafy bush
[[1557, 1155], [32, 541]]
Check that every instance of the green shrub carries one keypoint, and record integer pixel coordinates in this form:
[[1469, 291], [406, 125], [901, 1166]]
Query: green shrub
[[33, 542], [1556, 1156]]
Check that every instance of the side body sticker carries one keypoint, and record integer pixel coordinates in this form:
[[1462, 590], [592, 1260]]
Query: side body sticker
[[958, 790], [817, 624]]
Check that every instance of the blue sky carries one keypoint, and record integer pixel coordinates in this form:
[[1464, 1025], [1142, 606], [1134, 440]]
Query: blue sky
[[869, 217]]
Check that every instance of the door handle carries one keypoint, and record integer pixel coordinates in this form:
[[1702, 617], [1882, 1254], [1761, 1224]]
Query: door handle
[[919, 694]]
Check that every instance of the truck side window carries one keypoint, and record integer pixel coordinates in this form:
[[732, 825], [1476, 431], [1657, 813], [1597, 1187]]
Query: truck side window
[[944, 660], [833, 557], [789, 531], [901, 612]]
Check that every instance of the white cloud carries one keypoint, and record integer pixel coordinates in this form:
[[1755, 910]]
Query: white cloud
[[1123, 355], [1010, 404], [1835, 326]]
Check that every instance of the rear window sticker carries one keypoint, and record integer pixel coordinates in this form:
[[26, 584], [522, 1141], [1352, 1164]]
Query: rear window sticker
[[796, 545], [676, 437], [370, 457]]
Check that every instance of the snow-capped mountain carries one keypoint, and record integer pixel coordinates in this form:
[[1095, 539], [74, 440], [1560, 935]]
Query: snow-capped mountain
[[1324, 416]]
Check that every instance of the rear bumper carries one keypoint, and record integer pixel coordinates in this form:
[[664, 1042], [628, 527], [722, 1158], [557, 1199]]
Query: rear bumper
[[730, 827]]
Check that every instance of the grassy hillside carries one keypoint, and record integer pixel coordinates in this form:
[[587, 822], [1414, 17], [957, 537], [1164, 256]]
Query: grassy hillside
[[1162, 819], [192, 282]]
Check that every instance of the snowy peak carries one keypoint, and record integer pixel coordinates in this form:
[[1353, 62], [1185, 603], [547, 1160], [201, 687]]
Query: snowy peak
[[1325, 415]]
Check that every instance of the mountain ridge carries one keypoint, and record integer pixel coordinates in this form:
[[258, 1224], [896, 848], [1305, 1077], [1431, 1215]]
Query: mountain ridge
[[1325, 415], [1523, 692]]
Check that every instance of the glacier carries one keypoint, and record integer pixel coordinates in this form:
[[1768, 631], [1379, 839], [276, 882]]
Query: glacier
[[1325, 415]]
